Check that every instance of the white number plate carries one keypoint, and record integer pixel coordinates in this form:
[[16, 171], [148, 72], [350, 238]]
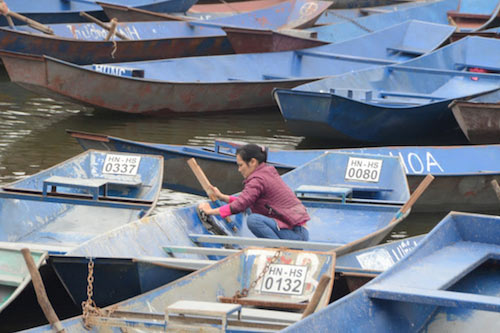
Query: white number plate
[[284, 279], [363, 169], [121, 164]]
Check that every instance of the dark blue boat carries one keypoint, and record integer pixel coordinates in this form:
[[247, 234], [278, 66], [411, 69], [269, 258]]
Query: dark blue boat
[[463, 173], [449, 283], [79, 199], [399, 104], [68, 11], [432, 11], [237, 82]]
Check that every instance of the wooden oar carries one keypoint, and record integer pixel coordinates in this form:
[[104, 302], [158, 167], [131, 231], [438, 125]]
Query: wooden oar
[[41, 294], [104, 25], [204, 182], [414, 196], [496, 187], [32, 23]]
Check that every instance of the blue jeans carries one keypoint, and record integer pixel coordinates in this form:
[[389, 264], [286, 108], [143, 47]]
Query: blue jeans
[[266, 227]]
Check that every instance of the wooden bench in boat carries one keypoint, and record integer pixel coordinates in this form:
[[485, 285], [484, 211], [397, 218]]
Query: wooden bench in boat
[[199, 250], [215, 310], [268, 302], [405, 49], [348, 57], [263, 242], [92, 185], [343, 191]]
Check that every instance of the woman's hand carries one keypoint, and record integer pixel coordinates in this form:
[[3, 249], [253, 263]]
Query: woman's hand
[[219, 194], [205, 207]]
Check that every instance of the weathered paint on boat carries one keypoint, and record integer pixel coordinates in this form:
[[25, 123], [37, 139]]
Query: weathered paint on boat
[[479, 117], [86, 43], [403, 104], [57, 11], [232, 274], [463, 173], [448, 283], [254, 40], [238, 82], [80, 198]]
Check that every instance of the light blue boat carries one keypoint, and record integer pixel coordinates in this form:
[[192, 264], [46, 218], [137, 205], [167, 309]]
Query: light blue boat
[[448, 283], [346, 215], [429, 11], [79, 199], [405, 104]]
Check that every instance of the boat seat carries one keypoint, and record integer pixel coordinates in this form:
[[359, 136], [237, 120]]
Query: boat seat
[[348, 57], [409, 95], [274, 77], [462, 66], [350, 92], [405, 49], [266, 302], [92, 185], [10, 280], [323, 191], [217, 310], [199, 250], [434, 297], [456, 14]]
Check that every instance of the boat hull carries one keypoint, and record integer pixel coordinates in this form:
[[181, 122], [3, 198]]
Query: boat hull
[[480, 122]]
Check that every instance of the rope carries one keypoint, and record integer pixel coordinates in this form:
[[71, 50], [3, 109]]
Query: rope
[[353, 21], [111, 33]]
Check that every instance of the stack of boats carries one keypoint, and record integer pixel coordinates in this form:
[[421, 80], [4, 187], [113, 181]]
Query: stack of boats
[[386, 74]]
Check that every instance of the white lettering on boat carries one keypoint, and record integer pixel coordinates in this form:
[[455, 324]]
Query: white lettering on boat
[[94, 32], [415, 164]]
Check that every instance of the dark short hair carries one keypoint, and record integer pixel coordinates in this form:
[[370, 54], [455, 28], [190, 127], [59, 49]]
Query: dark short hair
[[251, 150]]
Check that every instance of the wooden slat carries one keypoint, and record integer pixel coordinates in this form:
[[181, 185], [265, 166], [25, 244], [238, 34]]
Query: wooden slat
[[203, 238], [264, 303], [199, 250]]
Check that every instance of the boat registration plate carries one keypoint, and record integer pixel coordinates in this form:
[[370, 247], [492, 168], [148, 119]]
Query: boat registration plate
[[284, 279], [121, 164], [363, 169]]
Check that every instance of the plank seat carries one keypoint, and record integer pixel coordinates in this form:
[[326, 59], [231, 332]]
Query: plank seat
[[348, 57], [323, 191], [199, 250], [462, 66], [92, 185], [248, 241], [274, 77], [409, 95], [220, 311], [434, 297], [405, 49], [270, 302], [11, 280], [458, 14]]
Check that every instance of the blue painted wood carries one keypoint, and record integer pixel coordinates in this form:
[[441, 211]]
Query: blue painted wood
[[411, 98], [68, 216], [448, 282], [68, 11]]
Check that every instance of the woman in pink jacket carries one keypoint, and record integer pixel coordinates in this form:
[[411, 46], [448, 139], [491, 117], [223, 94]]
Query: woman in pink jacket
[[276, 211]]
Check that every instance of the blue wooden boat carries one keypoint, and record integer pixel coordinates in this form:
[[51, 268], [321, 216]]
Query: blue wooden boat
[[463, 173], [165, 308], [429, 11], [68, 11], [79, 199], [399, 104], [357, 222], [448, 283], [240, 82], [87, 43]]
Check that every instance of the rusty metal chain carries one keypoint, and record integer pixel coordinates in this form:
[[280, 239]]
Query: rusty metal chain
[[89, 307], [244, 292]]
